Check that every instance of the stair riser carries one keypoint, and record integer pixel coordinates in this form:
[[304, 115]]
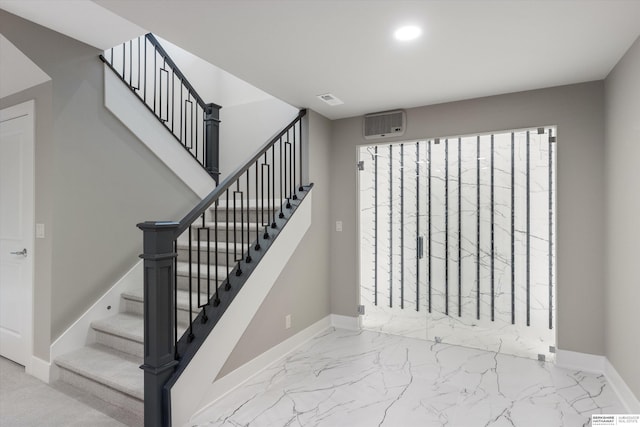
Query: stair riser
[[115, 397], [183, 282], [249, 216], [229, 234], [137, 307], [183, 255], [121, 344]]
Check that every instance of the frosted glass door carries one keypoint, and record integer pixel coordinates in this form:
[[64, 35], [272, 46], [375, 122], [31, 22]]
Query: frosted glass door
[[457, 240]]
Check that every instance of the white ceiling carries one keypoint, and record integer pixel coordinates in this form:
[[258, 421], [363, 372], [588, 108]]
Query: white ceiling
[[298, 49]]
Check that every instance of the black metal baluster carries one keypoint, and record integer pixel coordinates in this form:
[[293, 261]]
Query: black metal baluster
[[216, 301], [513, 238], [138, 84], [294, 196], [390, 227], [446, 227], [237, 258], [478, 227], [289, 147], [173, 99], [402, 226], [258, 203], [199, 230], [375, 225], [144, 92], [459, 227], [301, 188], [155, 78], [248, 245], [528, 233], [418, 225], [273, 183], [281, 186], [551, 140], [429, 222], [227, 285], [175, 299], [191, 336]]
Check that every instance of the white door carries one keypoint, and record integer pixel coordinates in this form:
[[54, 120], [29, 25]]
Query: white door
[[16, 231]]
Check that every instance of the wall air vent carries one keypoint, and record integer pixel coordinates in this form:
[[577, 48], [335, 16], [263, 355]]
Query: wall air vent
[[384, 125]]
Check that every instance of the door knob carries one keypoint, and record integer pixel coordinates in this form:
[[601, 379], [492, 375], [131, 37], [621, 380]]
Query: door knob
[[22, 252]]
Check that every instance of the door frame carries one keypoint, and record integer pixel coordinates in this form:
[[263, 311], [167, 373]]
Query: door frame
[[16, 111]]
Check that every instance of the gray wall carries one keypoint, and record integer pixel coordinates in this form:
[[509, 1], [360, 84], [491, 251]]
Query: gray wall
[[302, 289], [622, 217], [97, 181], [577, 110]]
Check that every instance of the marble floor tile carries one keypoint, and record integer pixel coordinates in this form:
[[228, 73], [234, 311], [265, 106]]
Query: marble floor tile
[[365, 378]]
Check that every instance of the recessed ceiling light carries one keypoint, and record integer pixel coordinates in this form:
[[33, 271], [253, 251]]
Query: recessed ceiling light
[[407, 33]]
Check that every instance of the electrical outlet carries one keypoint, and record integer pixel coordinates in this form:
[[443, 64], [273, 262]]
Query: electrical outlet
[[287, 321], [39, 231]]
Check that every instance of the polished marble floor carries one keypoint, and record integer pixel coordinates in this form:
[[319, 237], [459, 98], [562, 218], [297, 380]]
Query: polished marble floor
[[365, 378]]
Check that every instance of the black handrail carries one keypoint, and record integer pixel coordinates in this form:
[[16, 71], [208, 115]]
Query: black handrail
[[212, 271], [148, 70]]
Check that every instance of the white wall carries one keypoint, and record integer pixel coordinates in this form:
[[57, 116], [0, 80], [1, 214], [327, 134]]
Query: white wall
[[249, 116]]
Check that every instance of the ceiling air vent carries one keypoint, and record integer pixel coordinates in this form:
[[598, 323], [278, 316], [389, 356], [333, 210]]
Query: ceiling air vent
[[384, 125], [330, 99]]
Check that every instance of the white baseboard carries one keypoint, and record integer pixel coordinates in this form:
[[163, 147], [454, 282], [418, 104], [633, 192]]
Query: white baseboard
[[621, 389], [600, 365], [580, 361], [238, 377], [79, 333], [39, 369], [345, 322]]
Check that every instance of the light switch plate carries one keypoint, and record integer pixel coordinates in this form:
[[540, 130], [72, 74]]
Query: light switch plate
[[39, 231]]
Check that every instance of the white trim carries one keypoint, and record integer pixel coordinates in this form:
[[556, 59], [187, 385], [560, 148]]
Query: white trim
[[580, 361], [131, 111], [205, 366], [244, 373], [40, 369], [621, 389], [80, 333], [600, 365], [345, 322]]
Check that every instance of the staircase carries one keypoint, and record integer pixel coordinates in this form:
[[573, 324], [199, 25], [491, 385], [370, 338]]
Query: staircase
[[195, 268], [109, 368]]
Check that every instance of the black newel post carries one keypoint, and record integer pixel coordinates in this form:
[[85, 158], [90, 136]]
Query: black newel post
[[212, 137], [159, 343]]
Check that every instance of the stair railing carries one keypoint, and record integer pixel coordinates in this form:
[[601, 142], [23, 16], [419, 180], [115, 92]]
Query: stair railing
[[269, 186], [146, 68]]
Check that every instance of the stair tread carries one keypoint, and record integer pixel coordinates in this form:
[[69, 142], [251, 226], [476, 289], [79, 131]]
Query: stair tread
[[183, 269], [222, 225], [125, 325], [222, 246], [182, 299], [117, 370]]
